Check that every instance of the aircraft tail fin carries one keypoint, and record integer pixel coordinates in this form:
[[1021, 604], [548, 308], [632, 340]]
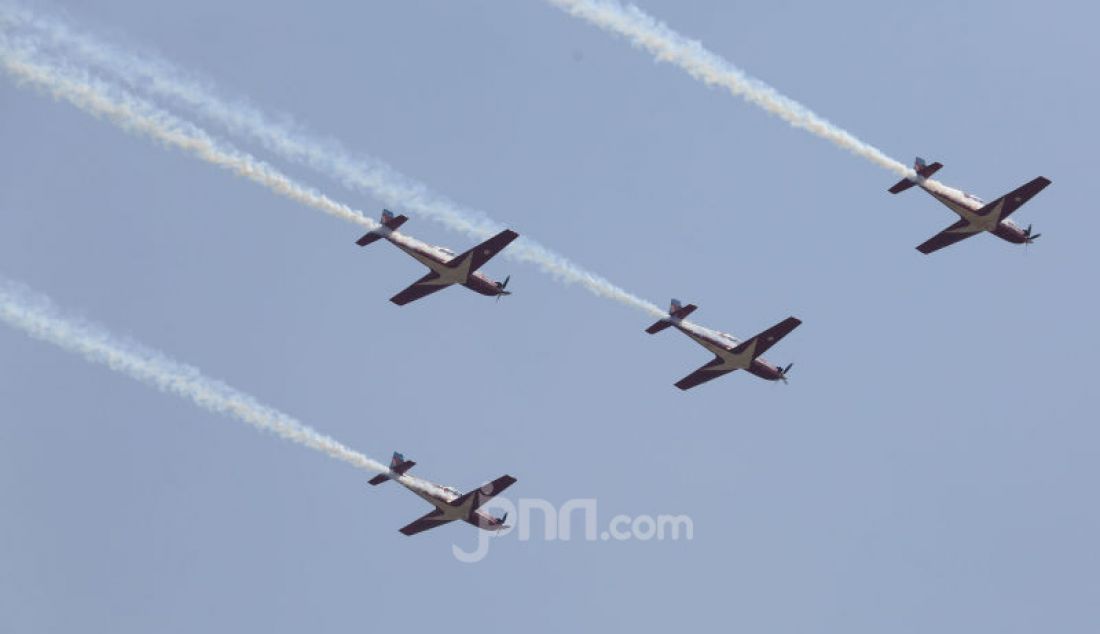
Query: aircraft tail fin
[[676, 311], [923, 170], [398, 466], [390, 223]]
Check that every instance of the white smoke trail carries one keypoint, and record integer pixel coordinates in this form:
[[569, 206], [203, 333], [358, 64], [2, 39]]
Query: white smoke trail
[[138, 116], [35, 315], [667, 45], [363, 174], [147, 73]]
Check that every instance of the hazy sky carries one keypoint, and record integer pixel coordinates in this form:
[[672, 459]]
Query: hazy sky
[[931, 467]]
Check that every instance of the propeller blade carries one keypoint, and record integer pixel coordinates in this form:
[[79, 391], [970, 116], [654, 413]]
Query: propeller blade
[[504, 284], [1035, 237], [1027, 232], [783, 373]]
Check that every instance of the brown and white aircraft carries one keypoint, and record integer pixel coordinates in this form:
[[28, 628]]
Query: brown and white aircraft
[[975, 215], [446, 267], [450, 505], [729, 353]]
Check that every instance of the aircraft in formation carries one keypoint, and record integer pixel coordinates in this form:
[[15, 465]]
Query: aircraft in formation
[[975, 215], [450, 505], [729, 353], [446, 267]]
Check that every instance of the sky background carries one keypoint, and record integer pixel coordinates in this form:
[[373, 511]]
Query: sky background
[[931, 467]]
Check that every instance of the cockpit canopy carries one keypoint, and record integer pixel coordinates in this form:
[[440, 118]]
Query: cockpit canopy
[[973, 197], [447, 251], [452, 490]]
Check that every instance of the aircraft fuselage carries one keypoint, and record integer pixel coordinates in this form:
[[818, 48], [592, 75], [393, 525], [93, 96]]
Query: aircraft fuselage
[[967, 209], [441, 498], [724, 348], [437, 262]]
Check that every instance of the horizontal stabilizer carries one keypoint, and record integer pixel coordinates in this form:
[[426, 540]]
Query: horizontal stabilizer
[[901, 186], [398, 466], [677, 312], [923, 172], [368, 238], [658, 326], [389, 221]]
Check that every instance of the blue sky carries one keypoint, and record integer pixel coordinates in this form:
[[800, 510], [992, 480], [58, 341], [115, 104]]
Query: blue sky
[[931, 466]]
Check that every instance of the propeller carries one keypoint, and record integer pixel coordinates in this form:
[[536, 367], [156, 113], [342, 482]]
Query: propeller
[[783, 372], [1028, 238], [501, 286]]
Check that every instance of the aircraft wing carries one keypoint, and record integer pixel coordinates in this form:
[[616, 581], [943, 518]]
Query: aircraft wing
[[483, 252], [704, 374], [1015, 199], [431, 520], [947, 237], [769, 337], [420, 288], [485, 492]]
